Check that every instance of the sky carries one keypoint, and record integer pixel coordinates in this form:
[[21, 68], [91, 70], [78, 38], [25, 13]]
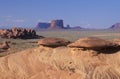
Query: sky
[[84, 13]]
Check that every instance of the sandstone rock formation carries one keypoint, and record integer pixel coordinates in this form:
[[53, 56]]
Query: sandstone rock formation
[[60, 63], [56, 24], [92, 43], [53, 42], [20, 33]]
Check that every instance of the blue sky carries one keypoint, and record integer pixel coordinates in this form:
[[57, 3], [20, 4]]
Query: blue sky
[[85, 13]]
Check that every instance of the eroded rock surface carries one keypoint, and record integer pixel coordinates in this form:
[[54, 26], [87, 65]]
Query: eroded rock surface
[[53, 42], [92, 43], [61, 62]]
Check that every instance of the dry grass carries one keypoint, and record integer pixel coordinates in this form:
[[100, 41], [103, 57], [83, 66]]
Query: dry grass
[[73, 35]]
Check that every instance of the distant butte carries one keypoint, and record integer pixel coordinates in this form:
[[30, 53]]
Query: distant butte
[[59, 24], [55, 24], [115, 26]]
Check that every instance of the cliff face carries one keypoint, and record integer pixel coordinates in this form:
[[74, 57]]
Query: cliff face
[[61, 62], [56, 24]]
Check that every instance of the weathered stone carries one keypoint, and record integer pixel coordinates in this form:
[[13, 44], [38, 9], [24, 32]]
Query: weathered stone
[[92, 43], [53, 42]]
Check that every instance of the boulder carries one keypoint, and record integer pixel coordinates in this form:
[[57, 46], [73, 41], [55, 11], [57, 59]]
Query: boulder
[[53, 42], [92, 43]]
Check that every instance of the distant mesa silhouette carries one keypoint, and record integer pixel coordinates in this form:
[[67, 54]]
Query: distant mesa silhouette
[[42, 25], [55, 24], [59, 24], [115, 26], [67, 26], [76, 27]]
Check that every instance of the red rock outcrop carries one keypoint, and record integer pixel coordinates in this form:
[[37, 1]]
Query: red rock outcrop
[[20, 33], [53, 42], [92, 43]]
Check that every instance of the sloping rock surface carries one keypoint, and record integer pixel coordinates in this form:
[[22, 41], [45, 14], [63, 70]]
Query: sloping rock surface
[[92, 42], [60, 63]]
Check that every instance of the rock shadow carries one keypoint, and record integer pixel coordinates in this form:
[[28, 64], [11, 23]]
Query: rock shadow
[[109, 50]]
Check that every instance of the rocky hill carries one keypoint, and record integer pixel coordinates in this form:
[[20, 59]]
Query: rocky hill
[[61, 63], [115, 26], [20, 33]]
